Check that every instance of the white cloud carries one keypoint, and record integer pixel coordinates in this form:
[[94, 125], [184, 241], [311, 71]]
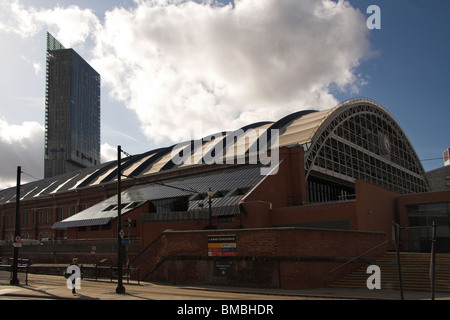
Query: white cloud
[[107, 153], [174, 63], [36, 65], [21, 145], [71, 24]]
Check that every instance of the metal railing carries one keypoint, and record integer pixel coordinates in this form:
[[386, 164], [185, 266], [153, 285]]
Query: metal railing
[[76, 246], [359, 256], [88, 272], [109, 272], [6, 273]]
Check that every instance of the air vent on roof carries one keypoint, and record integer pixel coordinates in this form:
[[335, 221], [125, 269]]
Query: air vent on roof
[[240, 191], [133, 205], [110, 207], [199, 196], [114, 206], [220, 193]]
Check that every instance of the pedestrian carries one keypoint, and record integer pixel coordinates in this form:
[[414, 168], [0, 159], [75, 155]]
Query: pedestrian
[[73, 275]]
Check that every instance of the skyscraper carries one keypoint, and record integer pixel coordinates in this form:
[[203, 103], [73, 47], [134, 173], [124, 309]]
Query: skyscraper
[[72, 111]]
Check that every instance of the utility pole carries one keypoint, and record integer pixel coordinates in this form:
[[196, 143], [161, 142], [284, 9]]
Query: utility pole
[[210, 224], [120, 288], [433, 260], [14, 279], [397, 249]]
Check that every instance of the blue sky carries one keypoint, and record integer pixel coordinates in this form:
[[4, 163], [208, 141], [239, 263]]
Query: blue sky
[[178, 65], [410, 75]]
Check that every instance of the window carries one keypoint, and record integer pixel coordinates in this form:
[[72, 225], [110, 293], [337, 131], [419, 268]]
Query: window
[[107, 226], [353, 146], [421, 217], [225, 219], [172, 204]]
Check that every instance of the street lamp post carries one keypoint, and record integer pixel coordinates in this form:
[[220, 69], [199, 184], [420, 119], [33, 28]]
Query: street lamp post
[[14, 279], [120, 288], [397, 249], [210, 209]]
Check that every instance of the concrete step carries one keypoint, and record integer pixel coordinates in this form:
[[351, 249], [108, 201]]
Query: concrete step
[[415, 269]]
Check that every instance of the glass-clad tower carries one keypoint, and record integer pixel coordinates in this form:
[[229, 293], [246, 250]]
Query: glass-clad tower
[[72, 111]]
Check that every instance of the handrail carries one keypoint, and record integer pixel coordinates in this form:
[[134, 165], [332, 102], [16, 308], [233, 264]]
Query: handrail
[[378, 245]]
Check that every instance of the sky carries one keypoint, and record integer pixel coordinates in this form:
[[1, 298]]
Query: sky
[[168, 66]]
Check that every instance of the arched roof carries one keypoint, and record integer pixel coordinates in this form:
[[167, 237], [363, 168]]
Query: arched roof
[[312, 129], [359, 139]]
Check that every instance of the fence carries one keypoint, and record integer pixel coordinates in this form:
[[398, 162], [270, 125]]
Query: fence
[[105, 272], [74, 246], [6, 273], [87, 272]]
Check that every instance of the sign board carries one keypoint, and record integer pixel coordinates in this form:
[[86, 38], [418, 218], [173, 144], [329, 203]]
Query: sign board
[[17, 242], [223, 268], [222, 245]]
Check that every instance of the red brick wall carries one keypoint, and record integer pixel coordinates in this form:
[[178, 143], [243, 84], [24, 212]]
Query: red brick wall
[[315, 212], [257, 214], [375, 207], [275, 257], [373, 210], [296, 177], [151, 230], [287, 187]]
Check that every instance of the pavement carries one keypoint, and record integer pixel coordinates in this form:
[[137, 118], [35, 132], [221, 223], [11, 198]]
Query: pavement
[[47, 287]]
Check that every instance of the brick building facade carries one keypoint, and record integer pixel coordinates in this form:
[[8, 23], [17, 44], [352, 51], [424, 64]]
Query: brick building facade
[[350, 168]]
